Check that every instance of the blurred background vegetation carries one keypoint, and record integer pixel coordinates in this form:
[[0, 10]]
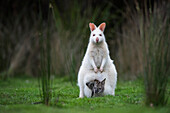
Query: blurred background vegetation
[[64, 23]]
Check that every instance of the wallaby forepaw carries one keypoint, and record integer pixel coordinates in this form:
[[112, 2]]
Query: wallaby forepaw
[[101, 70], [95, 70]]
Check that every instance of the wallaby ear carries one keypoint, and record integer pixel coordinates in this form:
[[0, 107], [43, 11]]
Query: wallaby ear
[[103, 82], [90, 85], [102, 26], [92, 27]]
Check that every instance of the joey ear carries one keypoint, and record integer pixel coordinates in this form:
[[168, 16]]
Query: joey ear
[[90, 85], [102, 26], [92, 27], [103, 82]]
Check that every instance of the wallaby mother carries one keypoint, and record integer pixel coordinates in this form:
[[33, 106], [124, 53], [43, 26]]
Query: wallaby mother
[[97, 60]]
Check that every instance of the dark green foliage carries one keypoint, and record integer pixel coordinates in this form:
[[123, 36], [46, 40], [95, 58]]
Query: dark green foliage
[[145, 48], [156, 50], [45, 83], [45, 71]]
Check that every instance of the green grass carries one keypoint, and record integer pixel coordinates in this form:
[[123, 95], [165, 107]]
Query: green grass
[[20, 94]]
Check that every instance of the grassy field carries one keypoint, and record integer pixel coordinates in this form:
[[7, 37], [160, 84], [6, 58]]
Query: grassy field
[[22, 95]]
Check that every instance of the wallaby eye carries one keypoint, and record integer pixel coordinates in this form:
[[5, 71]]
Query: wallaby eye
[[100, 34], [93, 34]]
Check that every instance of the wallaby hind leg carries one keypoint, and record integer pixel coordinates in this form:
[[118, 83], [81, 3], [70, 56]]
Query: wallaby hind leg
[[113, 93], [81, 94], [80, 83]]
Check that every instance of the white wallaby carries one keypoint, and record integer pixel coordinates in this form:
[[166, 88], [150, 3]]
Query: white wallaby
[[97, 60]]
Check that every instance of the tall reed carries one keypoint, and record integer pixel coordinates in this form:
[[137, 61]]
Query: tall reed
[[154, 31], [144, 47], [45, 62]]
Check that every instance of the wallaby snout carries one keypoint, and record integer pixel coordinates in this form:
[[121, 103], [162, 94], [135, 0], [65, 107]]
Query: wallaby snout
[[97, 39]]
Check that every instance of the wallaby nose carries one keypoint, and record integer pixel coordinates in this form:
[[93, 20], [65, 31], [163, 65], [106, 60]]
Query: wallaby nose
[[97, 39]]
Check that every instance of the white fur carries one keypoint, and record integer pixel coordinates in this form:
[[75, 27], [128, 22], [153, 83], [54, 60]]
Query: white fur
[[97, 56]]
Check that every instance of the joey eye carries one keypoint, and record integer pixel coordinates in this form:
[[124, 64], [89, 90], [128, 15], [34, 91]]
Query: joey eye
[[93, 34], [100, 34]]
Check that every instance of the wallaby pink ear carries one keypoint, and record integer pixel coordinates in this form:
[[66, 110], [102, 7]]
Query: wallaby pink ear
[[102, 26], [92, 26]]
